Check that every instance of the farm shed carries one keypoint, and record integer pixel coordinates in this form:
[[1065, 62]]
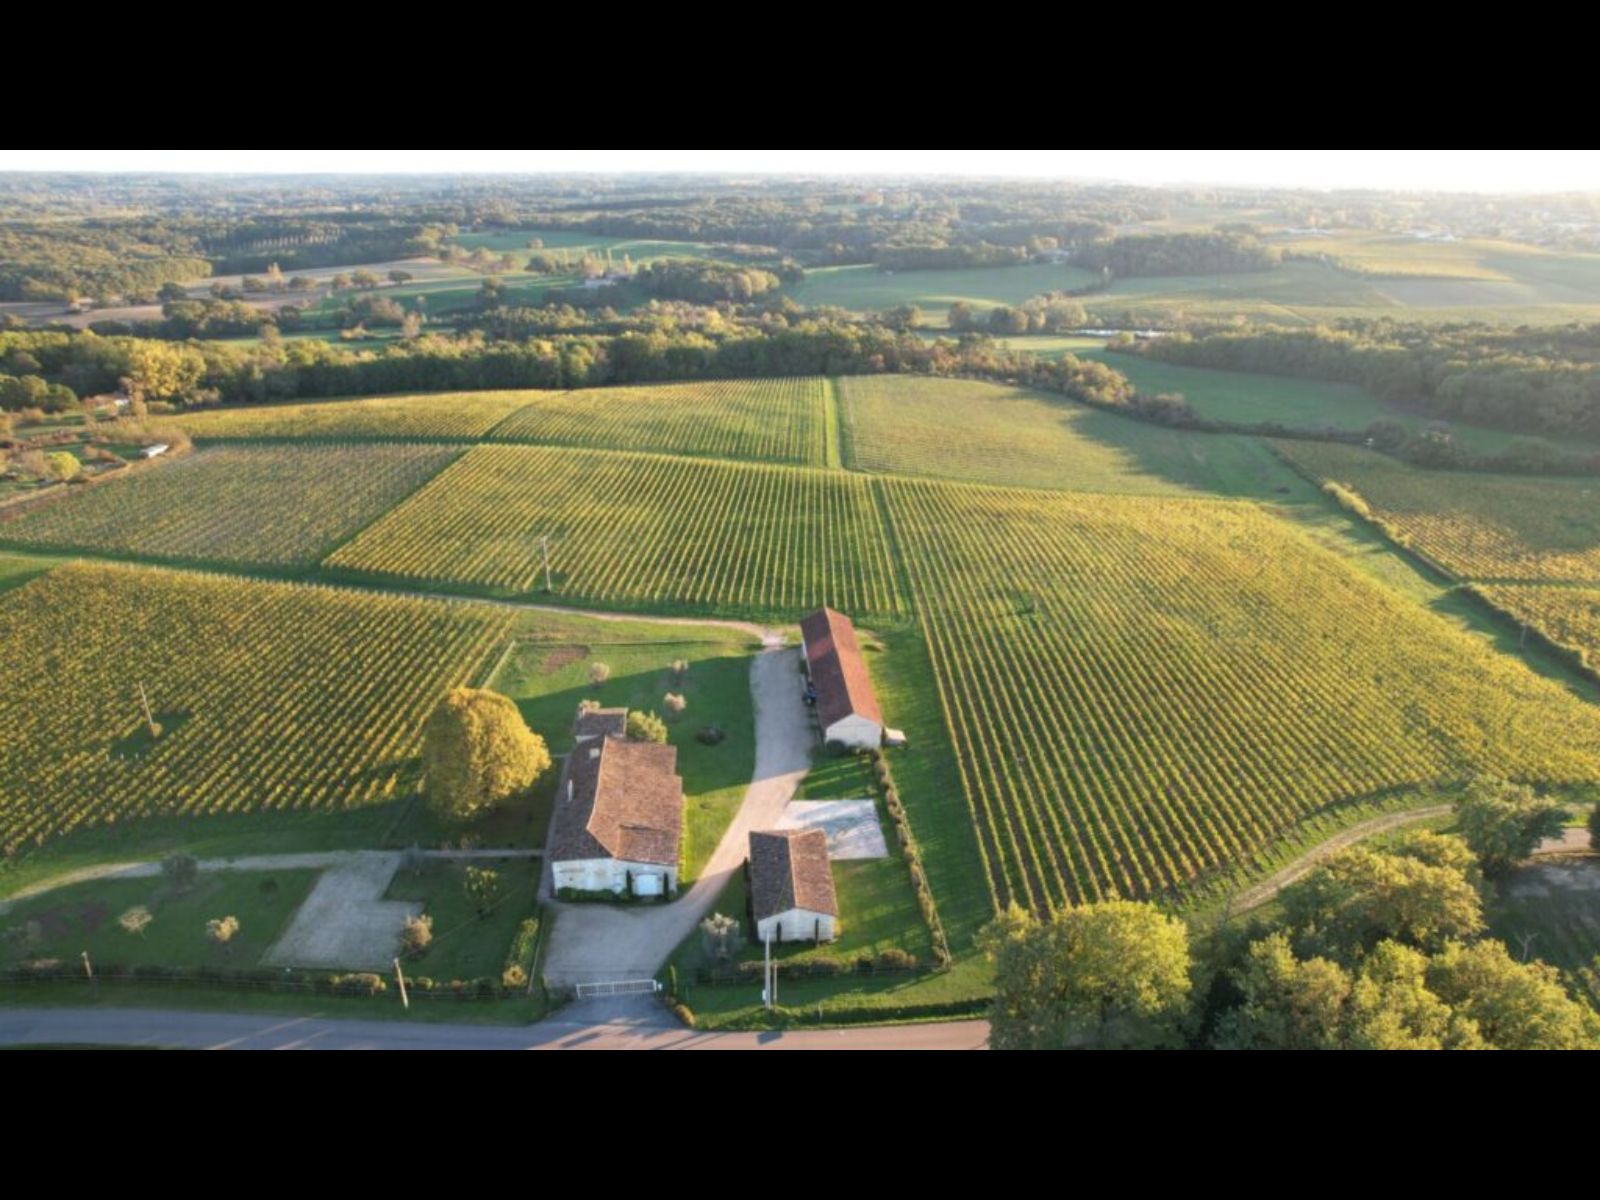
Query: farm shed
[[618, 822], [791, 886], [840, 688]]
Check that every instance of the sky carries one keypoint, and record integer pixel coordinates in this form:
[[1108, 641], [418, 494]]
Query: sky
[[1404, 170]]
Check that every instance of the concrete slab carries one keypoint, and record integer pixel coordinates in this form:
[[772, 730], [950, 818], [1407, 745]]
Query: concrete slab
[[851, 825]]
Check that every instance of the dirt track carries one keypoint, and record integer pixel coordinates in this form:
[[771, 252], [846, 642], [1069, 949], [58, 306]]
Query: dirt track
[[1261, 893]]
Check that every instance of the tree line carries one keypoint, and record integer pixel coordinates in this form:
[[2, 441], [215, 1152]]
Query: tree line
[[1522, 380], [1381, 948], [772, 343]]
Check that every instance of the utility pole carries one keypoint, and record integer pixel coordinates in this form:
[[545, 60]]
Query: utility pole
[[544, 550], [88, 967], [400, 978], [767, 972], [144, 703]]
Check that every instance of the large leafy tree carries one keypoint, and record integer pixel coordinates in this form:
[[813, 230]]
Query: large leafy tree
[[1516, 1006], [477, 751], [1361, 897], [1505, 822], [1287, 1003], [1108, 976]]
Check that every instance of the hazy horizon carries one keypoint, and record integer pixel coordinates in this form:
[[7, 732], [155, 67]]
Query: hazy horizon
[[1518, 172]]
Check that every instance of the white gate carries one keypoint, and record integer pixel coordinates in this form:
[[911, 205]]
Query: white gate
[[617, 987]]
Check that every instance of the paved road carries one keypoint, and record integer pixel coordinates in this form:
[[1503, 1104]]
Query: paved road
[[1573, 841], [590, 942], [606, 1025]]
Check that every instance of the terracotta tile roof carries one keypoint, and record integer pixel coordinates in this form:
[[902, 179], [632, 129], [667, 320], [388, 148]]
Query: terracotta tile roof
[[789, 868], [600, 722], [619, 799], [837, 669]]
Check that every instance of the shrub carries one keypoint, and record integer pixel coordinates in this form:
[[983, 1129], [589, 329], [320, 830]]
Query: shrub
[[363, 983], [711, 735], [598, 673], [674, 704], [136, 920], [647, 727], [685, 1014], [416, 935]]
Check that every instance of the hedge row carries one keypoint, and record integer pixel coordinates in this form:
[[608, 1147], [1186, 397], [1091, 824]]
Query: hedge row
[[889, 962], [519, 959], [267, 979], [913, 855]]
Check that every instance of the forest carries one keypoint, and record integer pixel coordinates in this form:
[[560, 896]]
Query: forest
[[1523, 380]]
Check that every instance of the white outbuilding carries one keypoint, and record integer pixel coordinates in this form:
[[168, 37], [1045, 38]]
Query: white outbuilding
[[840, 687], [792, 898]]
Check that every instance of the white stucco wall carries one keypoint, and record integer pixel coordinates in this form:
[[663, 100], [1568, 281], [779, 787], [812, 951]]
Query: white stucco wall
[[796, 925], [606, 875]]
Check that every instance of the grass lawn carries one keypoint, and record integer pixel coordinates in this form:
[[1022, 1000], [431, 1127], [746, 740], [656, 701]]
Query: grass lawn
[[960, 992], [467, 945], [930, 787], [83, 917], [549, 673], [17, 569], [222, 835]]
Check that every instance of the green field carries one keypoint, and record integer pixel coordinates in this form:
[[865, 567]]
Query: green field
[[82, 918], [986, 433], [280, 506], [866, 288], [639, 531], [1145, 691], [576, 242], [1309, 293], [271, 697], [1475, 526], [448, 417], [770, 420]]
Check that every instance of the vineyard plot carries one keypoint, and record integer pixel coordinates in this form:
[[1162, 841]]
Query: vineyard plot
[[639, 530], [271, 696], [1567, 616], [462, 416], [282, 506], [1475, 526], [1141, 690], [772, 420]]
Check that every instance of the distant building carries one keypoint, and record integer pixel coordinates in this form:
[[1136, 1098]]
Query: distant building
[[840, 687], [792, 897], [618, 822], [155, 451]]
